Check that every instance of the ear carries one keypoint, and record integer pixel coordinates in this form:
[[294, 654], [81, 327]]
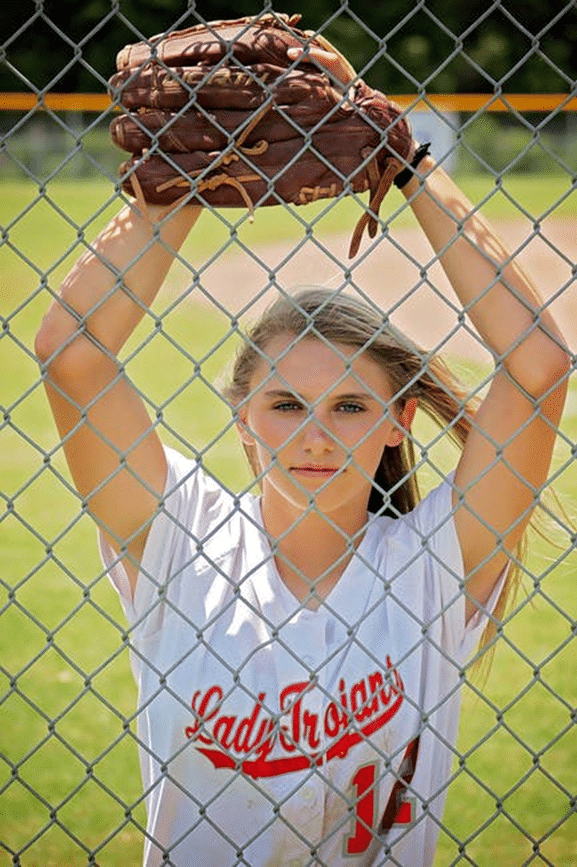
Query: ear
[[403, 422], [243, 428]]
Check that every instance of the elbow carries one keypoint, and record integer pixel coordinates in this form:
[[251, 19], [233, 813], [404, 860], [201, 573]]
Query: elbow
[[54, 340], [68, 359], [46, 346], [556, 370], [546, 373]]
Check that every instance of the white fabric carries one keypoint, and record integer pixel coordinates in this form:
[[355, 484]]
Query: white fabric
[[267, 730]]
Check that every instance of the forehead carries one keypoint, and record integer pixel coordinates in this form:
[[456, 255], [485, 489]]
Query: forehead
[[309, 365]]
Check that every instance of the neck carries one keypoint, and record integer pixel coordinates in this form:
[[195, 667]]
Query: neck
[[311, 550]]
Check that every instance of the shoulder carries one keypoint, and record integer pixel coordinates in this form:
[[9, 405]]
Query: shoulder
[[435, 513], [433, 517], [198, 523], [421, 545], [418, 558], [189, 485], [199, 509]]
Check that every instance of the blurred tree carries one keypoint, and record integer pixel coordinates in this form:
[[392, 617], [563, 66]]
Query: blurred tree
[[519, 45]]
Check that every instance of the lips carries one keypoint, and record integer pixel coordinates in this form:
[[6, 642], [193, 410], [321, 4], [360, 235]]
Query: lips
[[315, 472]]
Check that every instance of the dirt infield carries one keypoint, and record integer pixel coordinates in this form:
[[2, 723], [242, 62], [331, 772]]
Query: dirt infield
[[397, 275]]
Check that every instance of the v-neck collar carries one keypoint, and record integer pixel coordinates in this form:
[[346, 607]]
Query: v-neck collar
[[347, 598]]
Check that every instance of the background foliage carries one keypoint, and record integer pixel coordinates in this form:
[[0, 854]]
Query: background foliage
[[444, 45]]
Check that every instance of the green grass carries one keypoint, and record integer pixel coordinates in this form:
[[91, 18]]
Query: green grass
[[69, 778], [77, 201]]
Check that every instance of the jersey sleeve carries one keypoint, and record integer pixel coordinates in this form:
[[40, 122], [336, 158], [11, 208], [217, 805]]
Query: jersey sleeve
[[183, 518], [434, 521]]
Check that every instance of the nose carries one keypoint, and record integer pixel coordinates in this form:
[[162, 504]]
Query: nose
[[316, 438]]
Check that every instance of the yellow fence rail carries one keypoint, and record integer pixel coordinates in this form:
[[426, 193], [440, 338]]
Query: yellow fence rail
[[463, 102]]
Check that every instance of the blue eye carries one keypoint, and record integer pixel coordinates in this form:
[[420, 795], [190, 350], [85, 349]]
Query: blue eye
[[288, 406]]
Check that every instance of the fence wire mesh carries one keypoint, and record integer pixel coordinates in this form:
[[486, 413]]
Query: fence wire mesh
[[73, 722]]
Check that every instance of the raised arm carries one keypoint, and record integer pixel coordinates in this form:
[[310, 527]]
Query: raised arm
[[508, 453], [112, 449]]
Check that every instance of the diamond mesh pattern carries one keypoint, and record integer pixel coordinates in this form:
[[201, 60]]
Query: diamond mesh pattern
[[70, 786]]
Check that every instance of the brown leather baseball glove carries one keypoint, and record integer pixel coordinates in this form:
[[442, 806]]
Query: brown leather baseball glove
[[253, 112]]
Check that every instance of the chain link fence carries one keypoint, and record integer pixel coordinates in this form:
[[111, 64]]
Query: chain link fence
[[71, 724]]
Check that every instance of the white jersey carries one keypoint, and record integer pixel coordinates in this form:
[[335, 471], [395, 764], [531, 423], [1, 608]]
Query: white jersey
[[277, 736]]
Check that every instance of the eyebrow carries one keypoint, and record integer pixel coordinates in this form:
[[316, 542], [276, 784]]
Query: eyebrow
[[353, 395]]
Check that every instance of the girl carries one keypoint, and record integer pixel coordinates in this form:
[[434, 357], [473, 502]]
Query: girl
[[299, 654]]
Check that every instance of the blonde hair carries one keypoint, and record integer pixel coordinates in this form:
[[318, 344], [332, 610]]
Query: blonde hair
[[336, 317]]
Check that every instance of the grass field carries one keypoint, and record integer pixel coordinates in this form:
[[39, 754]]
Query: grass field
[[69, 779]]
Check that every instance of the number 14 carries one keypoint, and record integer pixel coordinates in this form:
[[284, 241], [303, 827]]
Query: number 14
[[399, 809]]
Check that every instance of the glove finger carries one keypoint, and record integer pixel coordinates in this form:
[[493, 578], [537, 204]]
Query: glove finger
[[264, 38], [174, 133], [284, 171], [227, 87], [195, 130]]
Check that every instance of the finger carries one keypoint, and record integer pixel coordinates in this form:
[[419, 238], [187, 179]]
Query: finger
[[313, 53], [329, 60]]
